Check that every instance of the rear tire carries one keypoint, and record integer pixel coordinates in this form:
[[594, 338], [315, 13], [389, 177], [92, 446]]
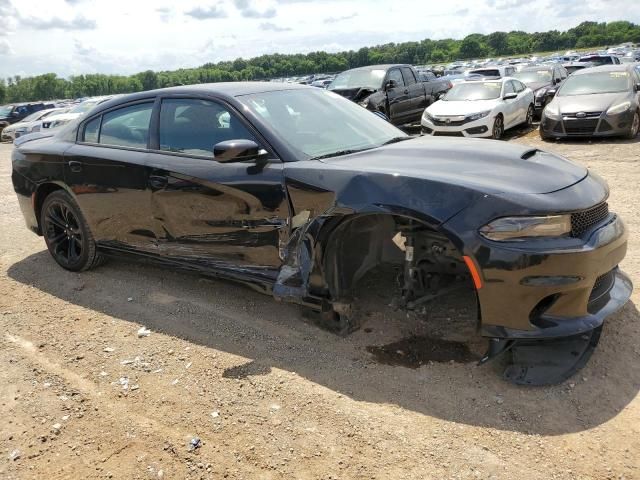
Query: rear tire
[[498, 127], [67, 234], [635, 126]]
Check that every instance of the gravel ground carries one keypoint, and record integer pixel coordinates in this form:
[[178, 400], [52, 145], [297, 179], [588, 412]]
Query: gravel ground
[[271, 396]]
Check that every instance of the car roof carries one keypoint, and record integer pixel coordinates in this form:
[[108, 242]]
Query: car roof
[[605, 68], [539, 67], [384, 66], [222, 89]]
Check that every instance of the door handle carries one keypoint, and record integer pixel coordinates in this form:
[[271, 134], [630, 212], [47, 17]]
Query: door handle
[[406, 91], [158, 182], [75, 166]]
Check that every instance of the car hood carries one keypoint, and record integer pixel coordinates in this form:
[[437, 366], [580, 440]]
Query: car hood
[[589, 103], [463, 107], [62, 116], [484, 165]]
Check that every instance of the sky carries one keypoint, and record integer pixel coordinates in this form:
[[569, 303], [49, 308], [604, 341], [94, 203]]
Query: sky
[[71, 37]]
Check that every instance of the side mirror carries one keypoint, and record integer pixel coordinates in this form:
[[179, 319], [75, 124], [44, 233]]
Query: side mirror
[[390, 84], [237, 151], [636, 87], [510, 96]]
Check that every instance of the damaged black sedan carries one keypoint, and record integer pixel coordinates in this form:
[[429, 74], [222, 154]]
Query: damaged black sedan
[[299, 193]]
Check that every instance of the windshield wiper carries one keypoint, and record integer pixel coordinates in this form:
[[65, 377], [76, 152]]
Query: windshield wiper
[[340, 153], [395, 140]]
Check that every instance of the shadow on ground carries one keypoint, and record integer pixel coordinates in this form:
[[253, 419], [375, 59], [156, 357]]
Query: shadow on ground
[[268, 335]]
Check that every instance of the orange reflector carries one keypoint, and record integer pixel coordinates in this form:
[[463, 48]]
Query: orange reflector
[[33, 200], [475, 275]]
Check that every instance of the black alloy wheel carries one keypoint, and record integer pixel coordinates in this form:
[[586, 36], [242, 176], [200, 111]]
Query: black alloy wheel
[[67, 234], [498, 128]]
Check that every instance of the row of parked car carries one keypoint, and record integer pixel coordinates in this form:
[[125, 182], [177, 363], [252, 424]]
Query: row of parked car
[[587, 100], [20, 119]]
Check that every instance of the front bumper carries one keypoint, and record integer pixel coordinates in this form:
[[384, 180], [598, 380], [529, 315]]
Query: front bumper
[[602, 125], [474, 129], [537, 292]]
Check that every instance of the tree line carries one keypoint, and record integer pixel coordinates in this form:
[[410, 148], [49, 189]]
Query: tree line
[[588, 34]]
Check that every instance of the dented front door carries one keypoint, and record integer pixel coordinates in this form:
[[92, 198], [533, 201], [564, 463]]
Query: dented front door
[[225, 215]]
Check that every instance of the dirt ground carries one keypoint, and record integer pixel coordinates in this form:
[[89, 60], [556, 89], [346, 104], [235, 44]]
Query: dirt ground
[[269, 395]]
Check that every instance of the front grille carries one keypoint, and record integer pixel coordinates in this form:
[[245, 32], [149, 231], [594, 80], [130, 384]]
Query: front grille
[[581, 127], [448, 134], [451, 123], [583, 221], [584, 115]]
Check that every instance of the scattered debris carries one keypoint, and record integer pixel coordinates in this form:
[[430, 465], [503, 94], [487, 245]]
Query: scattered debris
[[130, 299], [143, 332], [215, 414], [175, 382], [46, 384], [103, 373], [15, 455], [56, 428], [124, 382], [108, 349], [275, 407], [499, 399], [194, 444], [66, 417], [188, 365]]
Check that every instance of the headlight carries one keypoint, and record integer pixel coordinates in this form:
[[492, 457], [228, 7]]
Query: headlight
[[478, 116], [521, 228], [552, 111], [620, 108], [36, 128], [428, 116]]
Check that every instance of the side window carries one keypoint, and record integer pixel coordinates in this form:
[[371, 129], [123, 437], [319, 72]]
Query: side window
[[127, 127], [509, 88], [194, 126], [519, 86], [395, 74], [431, 76], [92, 131], [409, 77], [509, 71]]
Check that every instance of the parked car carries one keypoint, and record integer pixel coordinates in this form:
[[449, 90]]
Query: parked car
[[393, 90], [324, 83], [572, 67], [480, 109], [543, 80], [60, 119], [495, 71], [28, 124], [599, 60], [10, 114], [299, 192], [599, 101]]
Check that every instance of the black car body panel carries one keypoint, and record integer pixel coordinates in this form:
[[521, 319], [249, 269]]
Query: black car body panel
[[273, 224]]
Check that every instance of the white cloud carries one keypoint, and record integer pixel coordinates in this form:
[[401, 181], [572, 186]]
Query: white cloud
[[124, 36]]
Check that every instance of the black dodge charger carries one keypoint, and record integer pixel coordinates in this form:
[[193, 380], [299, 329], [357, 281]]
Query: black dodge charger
[[299, 193]]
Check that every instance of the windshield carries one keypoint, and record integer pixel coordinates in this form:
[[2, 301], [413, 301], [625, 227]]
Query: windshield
[[533, 76], [474, 91], [4, 111], [316, 122], [359, 79], [84, 106], [597, 61], [33, 117], [595, 82], [487, 72]]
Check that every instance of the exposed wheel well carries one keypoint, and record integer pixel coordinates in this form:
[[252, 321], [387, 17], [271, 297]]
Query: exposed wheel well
[[42, 193], [423, 262]]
